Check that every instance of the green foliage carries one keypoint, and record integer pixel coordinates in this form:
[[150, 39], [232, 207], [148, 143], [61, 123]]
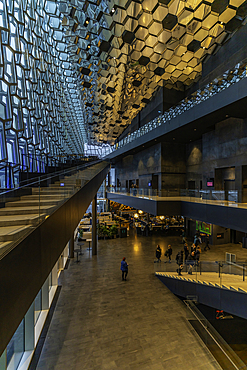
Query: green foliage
[[114, 229], [107, 231]]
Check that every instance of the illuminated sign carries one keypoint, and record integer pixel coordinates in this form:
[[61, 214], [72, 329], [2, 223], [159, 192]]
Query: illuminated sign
[[203, 227]]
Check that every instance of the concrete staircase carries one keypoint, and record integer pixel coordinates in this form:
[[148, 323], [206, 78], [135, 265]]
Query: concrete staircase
[[18, 217]]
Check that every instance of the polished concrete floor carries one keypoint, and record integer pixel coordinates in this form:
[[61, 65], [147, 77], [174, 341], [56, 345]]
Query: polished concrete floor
[[102, 322]]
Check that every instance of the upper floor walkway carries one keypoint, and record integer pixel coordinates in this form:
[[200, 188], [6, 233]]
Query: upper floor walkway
[[212, 206]]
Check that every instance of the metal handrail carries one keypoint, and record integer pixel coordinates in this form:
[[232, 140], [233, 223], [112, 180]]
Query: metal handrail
[[42, 178], [57, 173], [235, 360]]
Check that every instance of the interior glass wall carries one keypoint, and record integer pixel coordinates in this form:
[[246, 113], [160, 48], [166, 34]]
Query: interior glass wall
[[16, 348]]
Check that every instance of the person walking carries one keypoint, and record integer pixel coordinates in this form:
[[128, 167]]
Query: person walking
[[143, 229], [197, 256], [124, 269], [206, 243], [158, 253], [186, 252], [179, 259], [193, 248], [169, 251]]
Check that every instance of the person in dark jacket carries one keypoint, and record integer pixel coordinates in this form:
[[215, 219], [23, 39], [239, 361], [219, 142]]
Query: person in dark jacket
[[169, 251], [124, 269], [186, 252], [158, 253], [197, 255], [180, 257], [206, 243]]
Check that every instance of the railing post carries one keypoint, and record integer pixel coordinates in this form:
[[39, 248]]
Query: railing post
[[39, 199], [200, 266], [243, 272], [220, 265], [94, 226], [10, 180], [71, 246]]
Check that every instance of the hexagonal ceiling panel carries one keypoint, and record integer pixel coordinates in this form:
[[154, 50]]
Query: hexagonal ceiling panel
[[125, 50]]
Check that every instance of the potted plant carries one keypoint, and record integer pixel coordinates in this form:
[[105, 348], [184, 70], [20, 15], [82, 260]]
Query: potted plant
[[105, 231], [100, 231], [80, 235], [114, 230]]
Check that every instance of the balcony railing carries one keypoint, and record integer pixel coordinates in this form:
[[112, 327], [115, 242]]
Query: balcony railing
[[222, 274], [220, 197]]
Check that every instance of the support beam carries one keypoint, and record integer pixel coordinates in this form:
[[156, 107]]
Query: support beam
[[147, 228], [71, 246], [94, 227]]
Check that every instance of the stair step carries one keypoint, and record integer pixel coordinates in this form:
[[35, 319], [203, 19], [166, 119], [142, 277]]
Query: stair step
[[225, 286], [48, 191], [242, 290], [11, 233], [43, 197], [4, 246], [66, 182], [24, 210], [20, 219], [32, 202], [57, 186]]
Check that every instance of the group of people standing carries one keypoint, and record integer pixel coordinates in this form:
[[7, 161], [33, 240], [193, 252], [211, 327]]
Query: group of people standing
[[190, 257], [168, 253]]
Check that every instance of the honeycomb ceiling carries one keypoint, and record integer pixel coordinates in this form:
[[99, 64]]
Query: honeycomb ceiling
[[125, 50]]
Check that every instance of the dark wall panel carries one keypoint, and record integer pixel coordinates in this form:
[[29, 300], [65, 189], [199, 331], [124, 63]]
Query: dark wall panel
[[233, 302]]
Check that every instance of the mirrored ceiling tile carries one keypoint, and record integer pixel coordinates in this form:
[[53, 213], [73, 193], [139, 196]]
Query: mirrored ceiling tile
[[141, 33], [134, 9], [155, 29], [160, 13]]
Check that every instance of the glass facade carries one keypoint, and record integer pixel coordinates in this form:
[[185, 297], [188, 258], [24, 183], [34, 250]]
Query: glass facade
[[16, 348], [40, 107], [38, 306]]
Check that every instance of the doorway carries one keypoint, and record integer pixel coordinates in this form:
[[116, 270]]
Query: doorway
[[155, 180]]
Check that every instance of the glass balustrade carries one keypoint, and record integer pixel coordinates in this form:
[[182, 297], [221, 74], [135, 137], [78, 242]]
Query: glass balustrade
[[229, 198]]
